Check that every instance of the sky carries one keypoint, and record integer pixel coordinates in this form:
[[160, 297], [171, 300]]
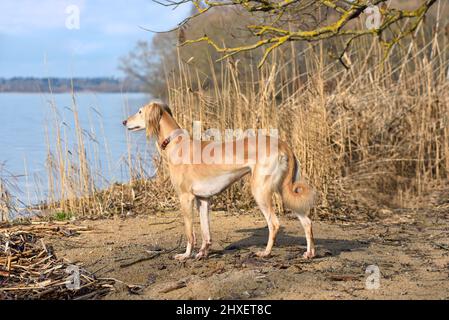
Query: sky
[[76, 38]]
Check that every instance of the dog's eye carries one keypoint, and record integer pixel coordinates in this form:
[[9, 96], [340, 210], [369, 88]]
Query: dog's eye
[[140, 111]]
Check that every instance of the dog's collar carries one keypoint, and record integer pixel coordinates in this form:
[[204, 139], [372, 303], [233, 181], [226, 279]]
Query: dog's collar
[[172, 136], [165, 143]]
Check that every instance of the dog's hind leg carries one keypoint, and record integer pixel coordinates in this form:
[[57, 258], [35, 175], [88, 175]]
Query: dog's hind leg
[[187, 208], [263, 195], [307, 225], [205, 228]]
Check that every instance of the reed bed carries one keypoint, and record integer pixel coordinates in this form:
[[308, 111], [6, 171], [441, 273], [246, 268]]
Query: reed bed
[[369, 137], [4, 202], [8, 200], [372, 136]]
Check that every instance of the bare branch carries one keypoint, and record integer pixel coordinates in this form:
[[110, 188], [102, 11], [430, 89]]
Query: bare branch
[[275, 34]]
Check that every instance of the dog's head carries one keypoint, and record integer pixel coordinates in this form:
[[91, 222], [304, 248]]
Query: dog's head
[[147, 117]]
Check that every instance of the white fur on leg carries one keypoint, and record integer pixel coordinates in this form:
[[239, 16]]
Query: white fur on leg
[[185, 255], [205, 229], [307, 225], [263, 254]]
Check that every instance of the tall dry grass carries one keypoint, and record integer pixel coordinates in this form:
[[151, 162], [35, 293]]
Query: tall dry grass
[[4, 202], [8, 201], [371, 136], [76, 178], [375, 135]]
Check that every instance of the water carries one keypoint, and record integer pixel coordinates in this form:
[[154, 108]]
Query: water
[[23, 136]]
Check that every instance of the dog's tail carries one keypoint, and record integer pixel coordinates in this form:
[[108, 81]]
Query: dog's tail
[[296, 195]]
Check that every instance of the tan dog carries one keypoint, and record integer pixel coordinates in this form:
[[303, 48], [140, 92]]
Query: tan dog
[[273, 170]]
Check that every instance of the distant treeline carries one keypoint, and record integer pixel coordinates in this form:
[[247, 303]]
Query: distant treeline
[[60, 85]]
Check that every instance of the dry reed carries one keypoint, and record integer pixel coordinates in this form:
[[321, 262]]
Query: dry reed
[[371, 136]]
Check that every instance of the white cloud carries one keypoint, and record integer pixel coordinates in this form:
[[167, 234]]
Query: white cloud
[[111, 17], [108, 29], [28, 16]]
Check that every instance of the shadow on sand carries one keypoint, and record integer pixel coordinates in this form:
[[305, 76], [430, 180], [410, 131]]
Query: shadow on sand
[[258, 238]]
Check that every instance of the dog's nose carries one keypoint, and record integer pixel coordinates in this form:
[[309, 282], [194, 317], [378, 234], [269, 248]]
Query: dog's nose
[[124, 122]]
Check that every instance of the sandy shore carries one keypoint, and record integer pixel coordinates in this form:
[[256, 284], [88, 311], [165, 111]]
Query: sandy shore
[[411, 252]]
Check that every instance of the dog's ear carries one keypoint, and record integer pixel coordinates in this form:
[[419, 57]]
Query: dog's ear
[[167, 109], [153, 114]]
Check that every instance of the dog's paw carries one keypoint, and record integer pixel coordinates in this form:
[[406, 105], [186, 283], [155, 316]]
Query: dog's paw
[[309, 254], [201, 255], [182, 256], [263, 254]]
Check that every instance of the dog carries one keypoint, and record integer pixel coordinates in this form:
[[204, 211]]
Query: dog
[[273, 171]]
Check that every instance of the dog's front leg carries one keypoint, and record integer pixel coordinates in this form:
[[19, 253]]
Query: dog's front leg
[[187, 205], [205, 229]]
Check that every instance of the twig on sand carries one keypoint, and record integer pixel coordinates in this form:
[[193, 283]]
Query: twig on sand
[[159, 223], [343, 277], [174, 286], [153, 254]]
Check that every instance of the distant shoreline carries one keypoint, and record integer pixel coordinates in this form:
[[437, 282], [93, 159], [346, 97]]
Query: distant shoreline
[[76, 92], [67, 85]]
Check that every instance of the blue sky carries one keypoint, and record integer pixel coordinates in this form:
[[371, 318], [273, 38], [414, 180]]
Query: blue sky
[[34, 39]]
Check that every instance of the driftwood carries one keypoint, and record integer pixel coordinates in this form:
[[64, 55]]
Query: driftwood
[[29, 268]]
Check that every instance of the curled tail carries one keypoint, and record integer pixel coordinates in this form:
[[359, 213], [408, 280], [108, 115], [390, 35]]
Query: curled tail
[[296, 195]]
